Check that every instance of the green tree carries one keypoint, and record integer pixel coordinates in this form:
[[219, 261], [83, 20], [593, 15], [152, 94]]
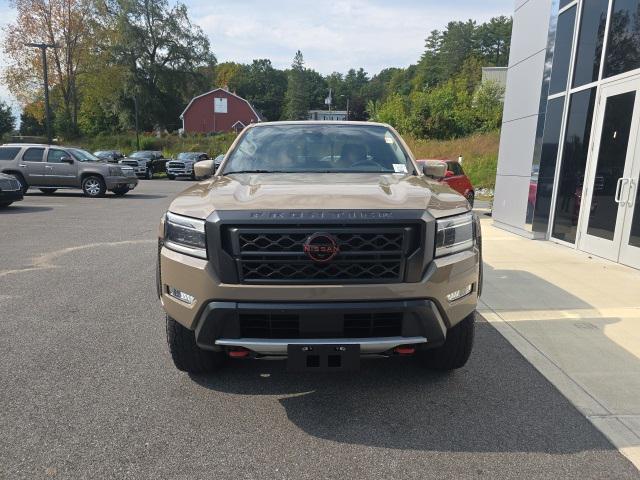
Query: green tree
[[263, 86], [494, 40], [297, 98], [7, 120], [487, 105], [163, 52], [32, 119]]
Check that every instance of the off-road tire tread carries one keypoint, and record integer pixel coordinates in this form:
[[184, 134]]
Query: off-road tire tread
[[186, 354], [457, 348]]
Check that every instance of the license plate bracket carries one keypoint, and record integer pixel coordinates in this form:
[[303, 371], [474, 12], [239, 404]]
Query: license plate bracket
[[323, 358]]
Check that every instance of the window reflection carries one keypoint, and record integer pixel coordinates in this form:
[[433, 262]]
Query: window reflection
[[574, 160], [562, 51], [623, 50], [589, 49], [541, 188]]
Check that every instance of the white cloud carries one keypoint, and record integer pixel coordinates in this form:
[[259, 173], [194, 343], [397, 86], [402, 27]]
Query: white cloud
[[333, 35]]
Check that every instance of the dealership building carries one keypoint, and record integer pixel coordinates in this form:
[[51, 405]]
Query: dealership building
[[569, 162]]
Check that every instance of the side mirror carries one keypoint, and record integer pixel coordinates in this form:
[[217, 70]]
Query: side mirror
[[66, 159], [448, 173], [204, 169], [434, 169]]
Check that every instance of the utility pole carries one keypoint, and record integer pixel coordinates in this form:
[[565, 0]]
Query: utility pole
[[135, 108], [43, 48]]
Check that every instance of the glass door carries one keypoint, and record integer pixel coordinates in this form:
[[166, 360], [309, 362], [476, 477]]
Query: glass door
[[609, 176], [630, 249]]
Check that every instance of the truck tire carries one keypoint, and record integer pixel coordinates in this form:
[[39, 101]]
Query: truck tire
[[186, 354], [93, 186], [456, 349], [5, 204], [171, 177], [119, 192], [148, 174], [48, 191]]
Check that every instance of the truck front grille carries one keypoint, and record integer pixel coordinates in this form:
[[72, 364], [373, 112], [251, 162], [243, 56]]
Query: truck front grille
[[349, 325], [277, 255]]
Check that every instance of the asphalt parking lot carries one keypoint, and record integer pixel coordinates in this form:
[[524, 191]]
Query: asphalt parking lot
[[88, 390]]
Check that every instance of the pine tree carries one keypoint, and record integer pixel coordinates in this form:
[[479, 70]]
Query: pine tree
[[296, 98]]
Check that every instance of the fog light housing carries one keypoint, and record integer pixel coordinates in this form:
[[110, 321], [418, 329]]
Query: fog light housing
[[458, 294], [180, 295]]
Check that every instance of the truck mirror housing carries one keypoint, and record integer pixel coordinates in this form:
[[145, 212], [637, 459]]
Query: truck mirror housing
[[204, 168]]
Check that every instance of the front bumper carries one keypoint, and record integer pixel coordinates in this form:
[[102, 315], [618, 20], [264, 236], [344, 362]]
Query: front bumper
[[121, 182], [197, 278], [11, 195], [419, 322], [180, 172]]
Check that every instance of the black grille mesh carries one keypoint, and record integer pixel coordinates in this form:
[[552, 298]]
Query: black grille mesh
[[366, 255], [354, 325]]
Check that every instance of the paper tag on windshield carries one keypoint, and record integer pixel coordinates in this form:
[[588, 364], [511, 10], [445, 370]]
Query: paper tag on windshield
[[400, 168]]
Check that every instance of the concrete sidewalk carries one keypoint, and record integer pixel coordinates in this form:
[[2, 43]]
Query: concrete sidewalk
[[576, 318]]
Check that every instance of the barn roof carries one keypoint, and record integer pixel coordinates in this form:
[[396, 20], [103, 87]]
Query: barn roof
[[227, 92]]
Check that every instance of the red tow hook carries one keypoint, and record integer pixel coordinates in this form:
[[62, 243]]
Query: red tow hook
[[405, 350], [238, 352]]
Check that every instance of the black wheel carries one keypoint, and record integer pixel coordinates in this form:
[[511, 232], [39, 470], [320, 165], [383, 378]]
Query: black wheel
[[23, 182], [456, 349], [5, 204], [171, 177], [93, 187], [186, 354], [48, 191], [470, 198], [119, 192], [148, 174]]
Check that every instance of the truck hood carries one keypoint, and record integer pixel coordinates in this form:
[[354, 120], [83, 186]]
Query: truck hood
[[318, 191]]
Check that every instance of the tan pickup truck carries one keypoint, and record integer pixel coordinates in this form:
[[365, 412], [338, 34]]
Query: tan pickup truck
[[319, 242]]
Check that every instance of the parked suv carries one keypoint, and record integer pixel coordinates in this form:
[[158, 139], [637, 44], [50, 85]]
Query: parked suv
[[182, 166], [146, 162], [319, 242], [50, 167]]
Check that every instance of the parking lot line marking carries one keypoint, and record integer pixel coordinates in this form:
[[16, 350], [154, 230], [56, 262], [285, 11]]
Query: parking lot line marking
[[45, 261]]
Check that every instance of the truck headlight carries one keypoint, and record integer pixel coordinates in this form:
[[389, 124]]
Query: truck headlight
[[185, 235], [455, 234], [115, 172]]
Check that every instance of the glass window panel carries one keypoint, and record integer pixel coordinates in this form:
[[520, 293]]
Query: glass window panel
[[562, 51], [574, 160], [612, 155], [541, 189], [623, 48], [564, 3], [33, 155], [590, 40]]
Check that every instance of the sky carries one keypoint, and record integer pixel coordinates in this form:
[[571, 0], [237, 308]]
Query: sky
[[333, 35]]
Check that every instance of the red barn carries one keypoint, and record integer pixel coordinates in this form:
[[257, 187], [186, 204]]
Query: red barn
[[218, 111]]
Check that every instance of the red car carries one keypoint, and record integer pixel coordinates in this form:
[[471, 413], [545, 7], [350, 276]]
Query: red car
[[455, 177]]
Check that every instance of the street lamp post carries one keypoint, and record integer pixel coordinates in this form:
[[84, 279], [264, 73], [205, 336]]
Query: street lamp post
[[43, 48], [347, 105]]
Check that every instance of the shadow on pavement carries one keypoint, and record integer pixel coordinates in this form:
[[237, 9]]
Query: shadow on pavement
[[17, 208], [79, 194], [397, 403]]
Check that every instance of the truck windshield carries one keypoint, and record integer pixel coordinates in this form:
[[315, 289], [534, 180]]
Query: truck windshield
[[318, 148]]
